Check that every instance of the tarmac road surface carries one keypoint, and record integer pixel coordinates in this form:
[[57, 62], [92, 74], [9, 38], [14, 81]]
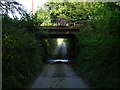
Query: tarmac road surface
[[58, 75]]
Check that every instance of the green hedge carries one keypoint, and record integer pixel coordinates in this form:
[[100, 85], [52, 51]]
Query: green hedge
[[99, 49], [22, 53]]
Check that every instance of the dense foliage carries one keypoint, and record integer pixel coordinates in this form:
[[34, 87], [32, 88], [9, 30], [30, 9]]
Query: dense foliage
[[42, 16], [99, 48], [22, 53], [23, 50], [72, 11]]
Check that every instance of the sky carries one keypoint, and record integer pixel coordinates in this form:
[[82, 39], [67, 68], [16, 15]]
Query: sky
[[28, 4]]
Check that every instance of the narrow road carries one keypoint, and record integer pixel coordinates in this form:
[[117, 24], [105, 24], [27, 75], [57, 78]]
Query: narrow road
[[58, 75]]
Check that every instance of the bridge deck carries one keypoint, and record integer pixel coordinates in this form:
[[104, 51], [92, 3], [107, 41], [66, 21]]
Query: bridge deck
[[61, 31], [60, 27]]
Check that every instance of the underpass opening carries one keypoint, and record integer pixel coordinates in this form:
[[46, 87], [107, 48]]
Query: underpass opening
[[59, 52], [62, 50]]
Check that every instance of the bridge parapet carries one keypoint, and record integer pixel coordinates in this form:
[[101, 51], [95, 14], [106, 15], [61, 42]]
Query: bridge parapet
[[76, 26], [62, 31], [63, 22]]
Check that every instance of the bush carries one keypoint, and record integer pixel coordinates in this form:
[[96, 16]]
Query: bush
[[22, 53], [99, 44]]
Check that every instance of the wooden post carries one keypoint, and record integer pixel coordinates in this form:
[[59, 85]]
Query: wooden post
[[32, 6]]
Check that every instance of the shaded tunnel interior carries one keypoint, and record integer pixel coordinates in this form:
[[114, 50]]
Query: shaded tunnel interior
[[60, 48]]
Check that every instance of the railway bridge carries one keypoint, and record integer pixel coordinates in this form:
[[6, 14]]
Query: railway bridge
[[60, 31]]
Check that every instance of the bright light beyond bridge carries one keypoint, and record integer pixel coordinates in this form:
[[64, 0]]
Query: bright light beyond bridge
[[59, 41]]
